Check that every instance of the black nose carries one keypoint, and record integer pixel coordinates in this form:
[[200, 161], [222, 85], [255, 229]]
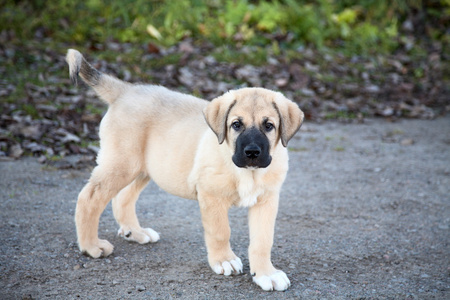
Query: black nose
[[252, 151]]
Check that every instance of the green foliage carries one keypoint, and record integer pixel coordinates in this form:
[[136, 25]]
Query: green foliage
[[30, 110], [357, 27]]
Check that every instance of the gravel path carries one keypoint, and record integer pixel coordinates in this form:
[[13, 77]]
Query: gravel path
[[364, 213]]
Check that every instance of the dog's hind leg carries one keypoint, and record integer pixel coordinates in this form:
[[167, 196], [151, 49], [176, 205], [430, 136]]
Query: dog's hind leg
[[124, 208], [105, 182]]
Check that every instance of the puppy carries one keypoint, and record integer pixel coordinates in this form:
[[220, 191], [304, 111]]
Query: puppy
[[230, 151]]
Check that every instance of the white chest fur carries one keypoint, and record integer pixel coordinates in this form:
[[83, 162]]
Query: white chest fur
[[250, 186]]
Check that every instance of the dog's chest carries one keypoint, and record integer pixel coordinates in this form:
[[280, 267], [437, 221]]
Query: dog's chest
[[250, 187]]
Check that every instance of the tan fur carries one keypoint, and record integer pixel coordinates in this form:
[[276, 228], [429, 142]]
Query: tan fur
[[150, 132]]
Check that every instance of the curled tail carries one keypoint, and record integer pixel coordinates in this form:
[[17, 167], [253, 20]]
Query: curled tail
[[107, 87]]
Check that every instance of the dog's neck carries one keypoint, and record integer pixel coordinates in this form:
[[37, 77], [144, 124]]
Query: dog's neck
[[250, 186]]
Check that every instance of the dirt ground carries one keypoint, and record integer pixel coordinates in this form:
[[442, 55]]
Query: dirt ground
[[364, 213]]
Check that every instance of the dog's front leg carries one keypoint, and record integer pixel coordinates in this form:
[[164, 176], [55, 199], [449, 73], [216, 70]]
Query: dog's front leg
[[217, 236], [262, 224]]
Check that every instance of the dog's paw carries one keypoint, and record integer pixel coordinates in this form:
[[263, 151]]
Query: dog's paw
[[276, 281], [97, 249], [138, 235], [227, 268]]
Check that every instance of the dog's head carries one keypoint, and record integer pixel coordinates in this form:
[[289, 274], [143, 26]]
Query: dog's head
[[253, 121]]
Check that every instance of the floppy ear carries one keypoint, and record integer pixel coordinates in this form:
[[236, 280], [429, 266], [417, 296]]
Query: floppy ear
[[216, 114], [291, 117]]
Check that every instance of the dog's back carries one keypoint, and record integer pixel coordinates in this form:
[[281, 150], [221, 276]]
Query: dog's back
[[111, 90]]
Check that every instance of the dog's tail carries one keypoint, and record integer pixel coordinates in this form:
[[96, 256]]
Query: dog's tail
[[107, 87]]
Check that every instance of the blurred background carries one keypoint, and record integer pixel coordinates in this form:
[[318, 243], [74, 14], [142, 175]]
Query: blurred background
[[339, 60]]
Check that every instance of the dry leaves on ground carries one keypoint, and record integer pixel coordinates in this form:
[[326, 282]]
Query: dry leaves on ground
[[57, 122]]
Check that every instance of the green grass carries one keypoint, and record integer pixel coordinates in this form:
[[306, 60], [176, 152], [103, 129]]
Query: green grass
[[238, 32], [300, 149], [257, 56], [341, 115], [54, 157], [94, 109], [30, 110], [353, 27], [170, 59]]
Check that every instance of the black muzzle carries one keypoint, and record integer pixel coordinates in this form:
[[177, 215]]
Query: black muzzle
[[252, 149]]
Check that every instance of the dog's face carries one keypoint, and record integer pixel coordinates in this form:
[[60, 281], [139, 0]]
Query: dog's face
[[252, 122]]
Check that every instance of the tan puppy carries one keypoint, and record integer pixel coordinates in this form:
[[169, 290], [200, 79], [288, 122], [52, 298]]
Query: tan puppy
[[237, 156]]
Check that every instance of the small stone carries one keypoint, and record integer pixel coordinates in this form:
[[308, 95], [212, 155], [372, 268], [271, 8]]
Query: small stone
[[186, 77], [15, 151], [210, 60], [250, 74], [408, 26], [407, 142], [32, 131], [273, 61], [311, 67], [387, 112], [115, 282], [77, 267], [70, 138], [281, 82], [35, 147], [140, 288], [186, 47], [50, 151], [373, 89], [365, 75], [126, 75], [307, 92]]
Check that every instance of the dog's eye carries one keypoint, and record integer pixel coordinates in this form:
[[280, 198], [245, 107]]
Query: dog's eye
[[236, 125], [269, 126]]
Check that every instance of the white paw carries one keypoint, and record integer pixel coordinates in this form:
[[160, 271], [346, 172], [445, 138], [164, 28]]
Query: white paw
[[276, 281], [97, 249], [229, 267], [138, 235]]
